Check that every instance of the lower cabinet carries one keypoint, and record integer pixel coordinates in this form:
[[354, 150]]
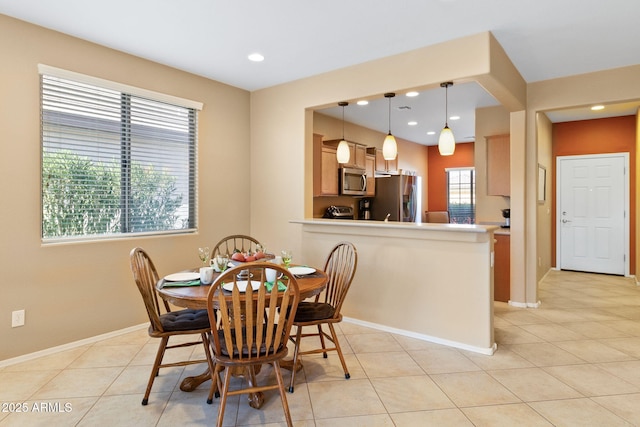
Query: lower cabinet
[[502, 268]]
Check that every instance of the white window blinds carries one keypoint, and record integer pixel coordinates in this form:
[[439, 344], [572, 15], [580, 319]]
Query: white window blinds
[[114, 162]]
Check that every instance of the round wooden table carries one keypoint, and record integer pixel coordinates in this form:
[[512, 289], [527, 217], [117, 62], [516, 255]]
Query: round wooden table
[[195, 297]]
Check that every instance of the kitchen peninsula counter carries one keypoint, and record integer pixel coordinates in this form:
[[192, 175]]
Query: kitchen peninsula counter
[[428, 281]]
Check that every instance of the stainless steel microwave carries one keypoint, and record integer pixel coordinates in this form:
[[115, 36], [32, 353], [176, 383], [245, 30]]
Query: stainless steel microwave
[[353, 182]]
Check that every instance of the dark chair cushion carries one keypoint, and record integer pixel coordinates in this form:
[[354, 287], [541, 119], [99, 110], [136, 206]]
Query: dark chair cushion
[[245, 350], [185, 320], [310, 311]]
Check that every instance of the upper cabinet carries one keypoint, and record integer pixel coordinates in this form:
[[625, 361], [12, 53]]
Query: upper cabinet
[[383, 165], [498, 166], [325, 168], [357, 153], [370, 169]]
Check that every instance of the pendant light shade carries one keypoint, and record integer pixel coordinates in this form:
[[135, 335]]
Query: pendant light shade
[[446, 142], [389, 146], [343, 153]]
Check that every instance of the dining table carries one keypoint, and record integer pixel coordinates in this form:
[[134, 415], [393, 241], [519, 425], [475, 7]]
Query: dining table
[[193, 295]]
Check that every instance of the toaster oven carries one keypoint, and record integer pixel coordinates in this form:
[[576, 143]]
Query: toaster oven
[[339, 212]]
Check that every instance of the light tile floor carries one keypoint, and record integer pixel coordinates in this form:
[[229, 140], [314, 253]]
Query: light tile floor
[[575, 361]]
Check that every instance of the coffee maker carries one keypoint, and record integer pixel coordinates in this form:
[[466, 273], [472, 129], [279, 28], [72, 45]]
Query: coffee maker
[[506, 214], [365, 209]]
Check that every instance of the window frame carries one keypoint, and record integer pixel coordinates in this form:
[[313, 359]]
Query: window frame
[[473, 192], [191, 107]]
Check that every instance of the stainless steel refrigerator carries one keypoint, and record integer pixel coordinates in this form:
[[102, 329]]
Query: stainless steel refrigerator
[[397, 196]]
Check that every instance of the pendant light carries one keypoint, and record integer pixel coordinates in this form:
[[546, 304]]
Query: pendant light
[[343, 153], [446, 142], [389, 146]]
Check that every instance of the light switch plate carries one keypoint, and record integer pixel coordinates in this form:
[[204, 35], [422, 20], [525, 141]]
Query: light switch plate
[[17, 318]]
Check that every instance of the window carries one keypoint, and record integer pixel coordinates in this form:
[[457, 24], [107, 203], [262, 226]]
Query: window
[[114, 162], [461, 195]]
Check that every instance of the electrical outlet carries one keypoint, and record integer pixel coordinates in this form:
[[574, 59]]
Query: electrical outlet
[[17, 318]]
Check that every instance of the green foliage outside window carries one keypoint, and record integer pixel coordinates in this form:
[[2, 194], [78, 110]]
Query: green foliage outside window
[[81, 197]]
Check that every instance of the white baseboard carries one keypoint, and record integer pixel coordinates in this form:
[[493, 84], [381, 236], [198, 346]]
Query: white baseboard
[[482, 350], [69, 346], [524, 304]]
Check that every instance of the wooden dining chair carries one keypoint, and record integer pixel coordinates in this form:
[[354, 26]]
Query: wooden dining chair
[[441, 217], [235, 242], [340, 268], [165, 323], [250, 327]]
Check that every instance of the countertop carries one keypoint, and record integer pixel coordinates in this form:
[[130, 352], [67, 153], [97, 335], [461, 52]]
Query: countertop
[[410, 230], [503, 231]]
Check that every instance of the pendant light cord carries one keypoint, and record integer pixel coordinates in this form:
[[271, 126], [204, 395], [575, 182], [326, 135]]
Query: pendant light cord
[[446, 105], [343, 104], [446, 85], [389, 96], [389, 115], [343, 122]]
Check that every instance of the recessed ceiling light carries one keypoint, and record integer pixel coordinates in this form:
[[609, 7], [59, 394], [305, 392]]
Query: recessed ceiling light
[[597, 107], [362, 102], [412, 94], [256, 57], [454, 118], [412, 123], [431, 132]]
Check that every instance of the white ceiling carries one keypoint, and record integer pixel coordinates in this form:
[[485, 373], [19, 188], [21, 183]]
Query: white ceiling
[[212, 38]]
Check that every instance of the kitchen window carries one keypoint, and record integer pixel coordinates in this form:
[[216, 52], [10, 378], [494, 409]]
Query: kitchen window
[[461, 195], [116, 160]]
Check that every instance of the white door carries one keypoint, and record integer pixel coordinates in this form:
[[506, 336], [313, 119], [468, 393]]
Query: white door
[[592, 201]]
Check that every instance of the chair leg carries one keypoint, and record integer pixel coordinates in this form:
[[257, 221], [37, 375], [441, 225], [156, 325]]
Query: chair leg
[[283, 395], [223, 400], [296, 352], [339, 350], [321, 335], [156, 368], [212, 368]]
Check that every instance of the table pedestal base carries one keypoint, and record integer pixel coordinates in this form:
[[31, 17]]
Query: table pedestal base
[[256, 400], [288, 365], [191, 383]]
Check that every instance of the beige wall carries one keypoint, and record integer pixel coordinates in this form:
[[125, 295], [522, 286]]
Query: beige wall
[[282, 119], [610, 86], [257, 147], [411, 156], [543, 220], [489, 121], [75, 291], [637, 186]]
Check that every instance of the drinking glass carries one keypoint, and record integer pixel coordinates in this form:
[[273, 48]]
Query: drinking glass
[[286, 257], [204, 254], [222, 262]]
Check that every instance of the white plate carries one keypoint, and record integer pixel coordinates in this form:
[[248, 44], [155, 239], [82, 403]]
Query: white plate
[[301, 271], [182, 277], [242, 285]]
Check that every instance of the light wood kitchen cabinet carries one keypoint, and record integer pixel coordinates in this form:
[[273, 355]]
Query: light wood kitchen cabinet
[[370, 161], [502, 268], [498, 166], [357, 153], [325, 168], [383, 165]]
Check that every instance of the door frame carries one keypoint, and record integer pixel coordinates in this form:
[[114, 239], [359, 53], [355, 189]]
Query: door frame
[[625, 156]]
